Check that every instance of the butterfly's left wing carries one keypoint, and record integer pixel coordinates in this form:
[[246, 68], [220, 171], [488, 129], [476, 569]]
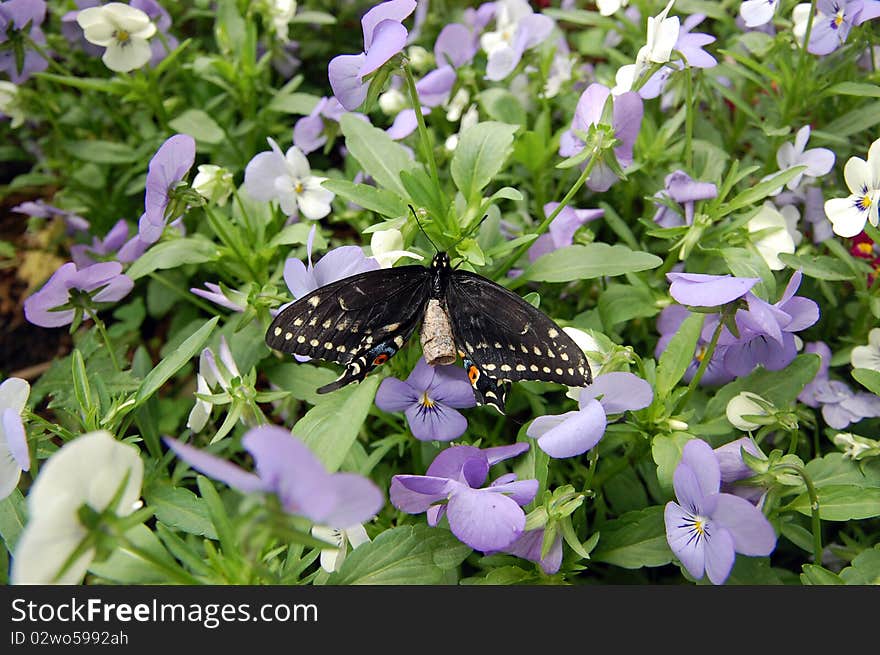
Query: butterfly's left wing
[[360, 321], [505, 339]]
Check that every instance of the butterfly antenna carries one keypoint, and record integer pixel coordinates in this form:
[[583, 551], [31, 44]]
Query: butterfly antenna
[[419, 223], [472, 230]]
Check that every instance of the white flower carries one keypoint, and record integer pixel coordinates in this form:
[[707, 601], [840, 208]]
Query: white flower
[[387, 247], [746, 403], [214, 183], [758, 12], [854, 446], [90, 470], [868, 356], [819, 161], [792, 217], [471, 117], [289, 180], [213, 377], [123, 30], [560, 73], [508, 14], [332, 558], [281, 12], [661, 38], [456, 105], [608, 7], [849, 215], [9, 103], [774, 242], [419, 57], [14, 455]]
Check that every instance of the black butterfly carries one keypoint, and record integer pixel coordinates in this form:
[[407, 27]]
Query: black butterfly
[[363, 320]]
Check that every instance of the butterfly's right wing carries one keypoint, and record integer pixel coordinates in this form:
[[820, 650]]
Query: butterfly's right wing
[[360, 321]]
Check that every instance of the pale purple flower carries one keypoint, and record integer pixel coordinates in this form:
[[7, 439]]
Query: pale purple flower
[[818, 161], [562, 228], [528, 546], [14, 454], [808, 394], [384, 37], [309, 131], [286, 467], [708, 528], [167, 168], [701, 290], [517, 29], [626, 121], [734, 469], [814, 214], [405, 123], [456, 45], [485, 518], [832, 22], [842, 406], [74, 33], [54, 304], [690, 44], [434, 87], [115, 245], [766, 332], [216, 294], [576, 432], [18, 15], [681, 188], [162, 19], [429, 398], [41, 209]]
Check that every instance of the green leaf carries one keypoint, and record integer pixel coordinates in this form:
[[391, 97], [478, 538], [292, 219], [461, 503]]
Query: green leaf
[[817, 575], [175, 361], [293, 103], [868, 378], [174, 253], [753, 571], [586, 262], [13, 516], [481, 152], [859, 119], [503, 575], [312, 17], [666, 450], [634, 540], [181, 509], [820, 267], [865, 568], [409, 554], [378, 154], [298, 233], [842, 502], [743, 262], [331, 427], [502, 106], [384, 202], [761, 190], [835, 469], [679, 354], [853, 89], [301, 380], [199, 125], [128, 567], [622, 302], [779, 387], [101, 152]]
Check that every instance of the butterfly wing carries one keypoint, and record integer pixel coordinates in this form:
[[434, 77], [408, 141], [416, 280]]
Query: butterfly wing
[[360, 321], [503, 339]]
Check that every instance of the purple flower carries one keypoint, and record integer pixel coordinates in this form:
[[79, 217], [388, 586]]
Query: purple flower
[[517, 29], [576, 432], [733, 469], [669, 322], [708, 528], [626, 121], [74, 33], [456, 45], [287, 468], [162, 20], [690, 44], [334, 265], [767, 331], [434, 87], [485, 518], [562, 228], [217, 295], [168, 166], [384, 37], [832, 22], [56, 303], [700, 290], [528, 546], [429, 398], [16, 15], [814, 214], [842, 406], [115, 245], [808, 395], [308, 131], [681, 188], [42, 209]]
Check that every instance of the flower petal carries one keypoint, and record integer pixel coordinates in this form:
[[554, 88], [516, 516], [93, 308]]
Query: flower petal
[[389, 37], [620, 391], [682, 541], [749, 529], [437, 423], [580, 431], [700, 290], [719, 552], [395, 395], [357, 500], [484, 520], [414, 494], [216, 467], [345, 80]]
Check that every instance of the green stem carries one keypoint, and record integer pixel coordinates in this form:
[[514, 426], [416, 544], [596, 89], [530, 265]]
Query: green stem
[[195, 300], [106, 337], [545, 224], [173, 572], [815, 519], [802, 62], [689, 121], [704, 364], [424, 137]]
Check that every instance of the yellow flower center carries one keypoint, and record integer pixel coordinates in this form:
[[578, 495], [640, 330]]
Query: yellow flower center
[[864, 202], [700, 354], [122, 36], [299, 187], [864, 248], [700, 526], [424, 401], [838, 19]]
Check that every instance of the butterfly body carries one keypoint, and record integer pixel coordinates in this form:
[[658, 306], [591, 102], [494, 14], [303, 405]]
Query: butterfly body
[[363, 320]]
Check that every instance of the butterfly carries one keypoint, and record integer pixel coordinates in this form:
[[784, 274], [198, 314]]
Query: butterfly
[[363, 320]]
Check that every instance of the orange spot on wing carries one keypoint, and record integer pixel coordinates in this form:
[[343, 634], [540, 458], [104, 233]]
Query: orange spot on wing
[[380, 359], [473, 374]]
